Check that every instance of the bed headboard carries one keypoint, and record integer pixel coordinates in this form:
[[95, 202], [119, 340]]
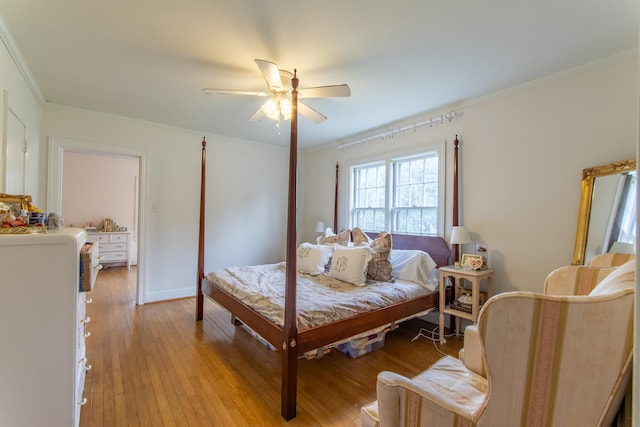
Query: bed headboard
[[435, 246]]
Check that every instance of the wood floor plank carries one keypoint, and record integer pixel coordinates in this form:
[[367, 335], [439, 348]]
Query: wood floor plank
[[153, 365]]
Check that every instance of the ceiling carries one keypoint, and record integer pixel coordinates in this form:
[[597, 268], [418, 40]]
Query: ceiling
[[150, 59]]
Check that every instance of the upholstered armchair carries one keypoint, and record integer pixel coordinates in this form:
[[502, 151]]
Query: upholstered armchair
[[532, 359]]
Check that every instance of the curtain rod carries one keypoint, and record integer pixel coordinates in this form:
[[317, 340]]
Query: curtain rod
[[393, 132]]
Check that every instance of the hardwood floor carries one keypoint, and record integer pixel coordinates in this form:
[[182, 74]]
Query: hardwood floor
[[154, 365]]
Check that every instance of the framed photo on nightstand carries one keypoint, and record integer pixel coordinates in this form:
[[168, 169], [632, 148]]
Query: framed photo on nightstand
[[471, 261]]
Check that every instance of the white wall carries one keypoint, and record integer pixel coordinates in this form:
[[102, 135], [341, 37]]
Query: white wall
[[246, 195], [521, 158], [26, 108]]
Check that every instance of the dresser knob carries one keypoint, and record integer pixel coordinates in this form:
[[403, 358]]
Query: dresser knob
[[89, 301], [87, 334], [86, 320], [82, 401], [87, 367]]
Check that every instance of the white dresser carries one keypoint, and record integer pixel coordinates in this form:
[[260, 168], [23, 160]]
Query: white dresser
[[114, 247], [43, 327]]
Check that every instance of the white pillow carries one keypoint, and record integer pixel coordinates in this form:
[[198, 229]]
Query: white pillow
[[623, 277], [312, 259], [349, 264], [413, 265]]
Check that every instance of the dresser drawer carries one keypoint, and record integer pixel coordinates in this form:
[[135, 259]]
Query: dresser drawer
[[104, 247], [89, 266], [97, 237], [114, 256], [119, 238]]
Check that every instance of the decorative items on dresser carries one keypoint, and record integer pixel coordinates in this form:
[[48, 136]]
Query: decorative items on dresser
[[114, 247], [43, 326]]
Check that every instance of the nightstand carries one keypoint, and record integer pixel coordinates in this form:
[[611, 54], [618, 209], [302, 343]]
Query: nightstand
[[465, 282]]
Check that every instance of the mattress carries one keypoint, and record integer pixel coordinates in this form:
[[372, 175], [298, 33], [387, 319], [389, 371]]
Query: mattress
[[321, 299]]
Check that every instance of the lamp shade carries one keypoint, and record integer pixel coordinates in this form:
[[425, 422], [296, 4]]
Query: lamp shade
[[460, 235], [320, 227]]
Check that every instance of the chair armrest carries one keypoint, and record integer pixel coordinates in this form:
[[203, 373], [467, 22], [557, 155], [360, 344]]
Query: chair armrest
[[575, 279], [397, 394]]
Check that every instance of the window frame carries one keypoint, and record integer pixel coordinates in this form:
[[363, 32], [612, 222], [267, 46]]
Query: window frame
[[389, 159]]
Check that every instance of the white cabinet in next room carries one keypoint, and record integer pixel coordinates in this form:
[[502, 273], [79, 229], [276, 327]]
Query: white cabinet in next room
[[113, 247]]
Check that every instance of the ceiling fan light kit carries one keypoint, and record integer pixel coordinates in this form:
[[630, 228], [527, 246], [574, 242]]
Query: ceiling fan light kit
[[277, 109], [278, 106]]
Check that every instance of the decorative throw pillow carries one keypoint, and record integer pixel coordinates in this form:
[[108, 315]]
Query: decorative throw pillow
[[349, 264], [359, 237], [379, 267], [312, 259], [329, 238]]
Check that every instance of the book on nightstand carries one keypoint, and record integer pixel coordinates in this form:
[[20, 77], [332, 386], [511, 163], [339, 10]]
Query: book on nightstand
[[457, 305]]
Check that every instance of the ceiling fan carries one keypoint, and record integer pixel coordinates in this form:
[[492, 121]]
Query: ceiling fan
[[278, 106]]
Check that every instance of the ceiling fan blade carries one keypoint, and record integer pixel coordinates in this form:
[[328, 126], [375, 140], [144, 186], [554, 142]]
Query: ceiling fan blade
[[257, 116], [326, 91], [310, 113], [271, 74], [209, 91]]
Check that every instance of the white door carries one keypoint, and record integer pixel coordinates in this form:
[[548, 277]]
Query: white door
[[16, 155]]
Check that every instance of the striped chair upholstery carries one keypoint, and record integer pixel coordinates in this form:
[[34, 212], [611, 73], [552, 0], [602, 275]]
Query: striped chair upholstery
[[611, 259], [550, 360], [575, 279]]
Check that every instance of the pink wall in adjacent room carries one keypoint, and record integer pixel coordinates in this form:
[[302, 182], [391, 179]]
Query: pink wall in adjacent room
[[95, 187]]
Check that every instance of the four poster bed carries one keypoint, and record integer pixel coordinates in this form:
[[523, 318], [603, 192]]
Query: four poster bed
[[295, 332]]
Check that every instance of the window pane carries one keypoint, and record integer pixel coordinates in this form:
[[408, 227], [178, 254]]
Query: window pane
[[403, 196], [401, 221], [369, 219], [416, 221], [416, 195], [402, 174], [431, 194], [416, 171]]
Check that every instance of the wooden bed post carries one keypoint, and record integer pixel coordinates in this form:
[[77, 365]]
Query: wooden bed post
[[335, 202], [455, 219], [200, 274], [290, 330]]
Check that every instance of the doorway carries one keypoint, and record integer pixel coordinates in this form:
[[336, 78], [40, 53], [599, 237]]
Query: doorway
[[57, 149]]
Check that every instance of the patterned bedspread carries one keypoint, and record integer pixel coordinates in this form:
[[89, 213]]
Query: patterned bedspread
[[321, 299]]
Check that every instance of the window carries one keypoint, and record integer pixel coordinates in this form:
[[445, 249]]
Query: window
[[401, 195]]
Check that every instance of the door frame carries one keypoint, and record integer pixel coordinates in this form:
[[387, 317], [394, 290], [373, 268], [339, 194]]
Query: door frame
[[57, 148]]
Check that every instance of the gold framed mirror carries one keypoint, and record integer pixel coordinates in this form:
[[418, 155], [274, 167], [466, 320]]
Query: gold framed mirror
[[608, 198]]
